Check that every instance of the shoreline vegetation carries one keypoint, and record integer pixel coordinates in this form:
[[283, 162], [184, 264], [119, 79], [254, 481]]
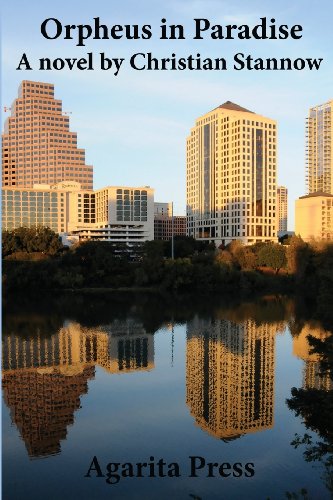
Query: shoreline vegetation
[[34, 259]]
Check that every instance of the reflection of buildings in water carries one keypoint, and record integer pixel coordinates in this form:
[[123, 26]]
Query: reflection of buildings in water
[[312, 378], [230, 376], [130, 348], [42, 403], [43, 377], [122, 346]]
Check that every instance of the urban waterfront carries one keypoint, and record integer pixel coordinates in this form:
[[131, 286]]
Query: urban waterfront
[[127, 377]]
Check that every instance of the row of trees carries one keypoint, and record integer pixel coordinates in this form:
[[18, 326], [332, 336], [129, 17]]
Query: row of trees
[[198, 266]]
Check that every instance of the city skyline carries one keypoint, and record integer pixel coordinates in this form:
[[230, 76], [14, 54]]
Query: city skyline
[[133, 126], [231, 180]]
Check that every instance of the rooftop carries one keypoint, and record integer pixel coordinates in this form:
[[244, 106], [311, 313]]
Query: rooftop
[[233, 107], [318, 193]]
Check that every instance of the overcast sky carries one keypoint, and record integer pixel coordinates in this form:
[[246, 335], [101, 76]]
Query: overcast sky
[[133, 126]]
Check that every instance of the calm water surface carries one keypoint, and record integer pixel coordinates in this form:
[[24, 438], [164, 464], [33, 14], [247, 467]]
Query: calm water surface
[[127, 379]]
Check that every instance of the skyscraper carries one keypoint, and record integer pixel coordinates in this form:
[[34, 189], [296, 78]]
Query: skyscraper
[[282, 209], [231, 176], [37, 145], [319, 149]]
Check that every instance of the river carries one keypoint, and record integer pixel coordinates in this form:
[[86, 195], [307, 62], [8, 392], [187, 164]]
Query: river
[[196, 389]]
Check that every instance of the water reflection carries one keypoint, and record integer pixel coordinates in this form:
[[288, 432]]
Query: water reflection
[[314, 401], [230, 375], [42, 403], [313, 378], [56, 351], [230, 365], [44, 376]]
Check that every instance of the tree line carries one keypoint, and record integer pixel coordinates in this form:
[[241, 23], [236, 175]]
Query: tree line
[[34, 258]]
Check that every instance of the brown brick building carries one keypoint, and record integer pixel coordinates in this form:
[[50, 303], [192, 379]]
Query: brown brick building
[[163, 222]]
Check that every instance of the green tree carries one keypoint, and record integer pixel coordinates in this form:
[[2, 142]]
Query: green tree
[[29, 240], [246, 258], [272, 255]]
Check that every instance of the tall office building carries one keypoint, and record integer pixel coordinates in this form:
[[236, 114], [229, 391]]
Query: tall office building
[[37, 145], [319, 149], [231, 176], [282, 209]]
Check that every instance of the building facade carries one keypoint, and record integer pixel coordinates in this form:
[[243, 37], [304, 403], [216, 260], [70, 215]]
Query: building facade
[[166, 224], [42, 205], [231, 176], [319, 149], [163, 209], [282, 209], [123, 214], [165, 227], [314, 217], [114, 213], [37, 145]]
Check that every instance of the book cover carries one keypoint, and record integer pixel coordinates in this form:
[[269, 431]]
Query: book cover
[[167, 216]]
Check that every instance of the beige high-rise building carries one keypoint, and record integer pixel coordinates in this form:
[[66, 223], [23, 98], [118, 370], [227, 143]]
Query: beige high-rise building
[[319, 149], [282, 209], [37, 145], [231, 176]]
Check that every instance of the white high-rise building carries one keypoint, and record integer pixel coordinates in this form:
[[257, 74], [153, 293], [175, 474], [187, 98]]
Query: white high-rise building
[[319, 149]]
